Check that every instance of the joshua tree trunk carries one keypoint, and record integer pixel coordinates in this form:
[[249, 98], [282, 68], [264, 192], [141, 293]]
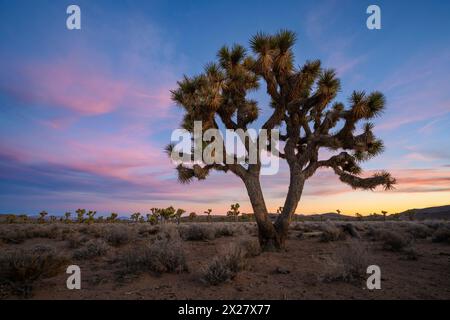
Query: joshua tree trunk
[[272, 236]]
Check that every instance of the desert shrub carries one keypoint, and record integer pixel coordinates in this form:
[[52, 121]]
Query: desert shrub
[[225, 266], [13, 236], [117, 235], [145, 231], [20, 269], [159, 257], [75, 240], [350, 229], [197, 232], [395, 241], [92, 249], [331, 233], [225, 230], [251, 247], [349, 263], [442, 234], [418, 230]]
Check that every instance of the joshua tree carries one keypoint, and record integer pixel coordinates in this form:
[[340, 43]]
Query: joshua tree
[[80, 215], [358, 216], [208, 212], [280, 210], [234, 212], [384, 213], [100, 219], [42, 216], [167, 213], [67, 217], [52, 219], [112, 218], [135, 216], [192, 216], [178, 215], [302, 108], [23, 218], [338, 212], [91, 218]]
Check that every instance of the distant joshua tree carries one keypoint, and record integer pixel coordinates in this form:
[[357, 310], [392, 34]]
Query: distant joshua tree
[[280, 210], [112, 218], [80, 215], [91, 218], [178, 215], [208, 212], [135, 216], [234, 211], [301, 101], [42, 216], [67, 217], [338, 212], [192, 216], [358, 216], [384, 213], [167, 213]]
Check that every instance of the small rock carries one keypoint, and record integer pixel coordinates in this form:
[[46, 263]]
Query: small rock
[[282, 270]]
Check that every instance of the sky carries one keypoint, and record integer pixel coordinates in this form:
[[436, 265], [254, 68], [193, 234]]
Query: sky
[[85, 114]]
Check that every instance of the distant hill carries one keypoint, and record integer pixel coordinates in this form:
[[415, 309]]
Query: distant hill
[[442, 212]]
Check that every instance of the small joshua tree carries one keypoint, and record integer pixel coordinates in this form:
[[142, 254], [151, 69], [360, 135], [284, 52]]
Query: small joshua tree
[[112, 218], [52, 219], [208, 213], [301, 107], [167, 213], [67, 217], [384, 213], [338, 212], [135, 216], [80, 215], [234, 211], [91, 218], [42, 216], [178, 215], [280, 210], [192, 216], [358, 216]]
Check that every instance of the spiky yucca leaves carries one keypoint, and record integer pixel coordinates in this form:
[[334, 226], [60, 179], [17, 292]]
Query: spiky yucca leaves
[[303, 108]]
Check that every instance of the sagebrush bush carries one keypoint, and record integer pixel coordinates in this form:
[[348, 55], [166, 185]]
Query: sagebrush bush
[[418, 230], [93, 248], [442, 234], [20, 269], [330, 232], [159, 257], [117, 235], [225, 266], [197, 232], [225, 230], [349, 263], [395, 241]]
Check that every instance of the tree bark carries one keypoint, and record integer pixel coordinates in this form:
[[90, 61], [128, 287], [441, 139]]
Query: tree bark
[[272, 236]]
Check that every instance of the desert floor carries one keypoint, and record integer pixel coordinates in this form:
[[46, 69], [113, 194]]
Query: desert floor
[[323, 260]]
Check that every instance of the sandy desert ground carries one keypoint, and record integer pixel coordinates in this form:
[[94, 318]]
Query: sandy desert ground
[[323, 260]]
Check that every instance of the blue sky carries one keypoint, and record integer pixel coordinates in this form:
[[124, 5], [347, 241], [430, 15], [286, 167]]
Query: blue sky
[[84, 114]]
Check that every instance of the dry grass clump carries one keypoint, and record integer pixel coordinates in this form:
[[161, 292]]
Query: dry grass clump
[[418, 230], [93, 248], [442, 234], [331, 232], [198, 232], [349, 263], [225, 266], [117, 235], [162, 256], [395, 241], [225, 230], [21, 268]]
